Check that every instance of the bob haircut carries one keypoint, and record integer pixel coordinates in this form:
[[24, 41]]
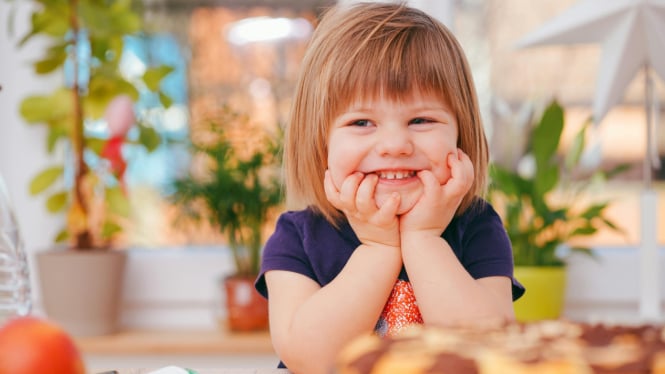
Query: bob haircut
[[366, 51]]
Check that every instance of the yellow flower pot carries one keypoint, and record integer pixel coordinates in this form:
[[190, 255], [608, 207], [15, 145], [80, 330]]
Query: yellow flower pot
[[545, 291]]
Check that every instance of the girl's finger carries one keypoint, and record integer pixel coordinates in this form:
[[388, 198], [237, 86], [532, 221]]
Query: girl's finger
[[461, 170], [428, 180], [365, 194], [389, 208], [348, 190]]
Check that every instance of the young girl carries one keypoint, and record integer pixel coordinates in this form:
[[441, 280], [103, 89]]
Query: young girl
[[386, 154]]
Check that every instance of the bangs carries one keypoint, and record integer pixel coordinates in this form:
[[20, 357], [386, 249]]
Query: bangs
[[393, 65]]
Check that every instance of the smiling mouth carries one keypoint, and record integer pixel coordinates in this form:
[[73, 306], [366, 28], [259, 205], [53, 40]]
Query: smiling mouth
[[396, 174]]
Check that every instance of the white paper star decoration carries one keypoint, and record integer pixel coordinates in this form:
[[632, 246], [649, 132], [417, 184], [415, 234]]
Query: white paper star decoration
[[632, 34]]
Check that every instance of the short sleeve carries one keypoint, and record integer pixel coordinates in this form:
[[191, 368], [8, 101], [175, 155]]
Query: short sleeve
[[284, 251], [487, 248]]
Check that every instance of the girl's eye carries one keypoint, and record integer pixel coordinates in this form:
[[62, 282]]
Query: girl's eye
[[420, 121], [361, 123]]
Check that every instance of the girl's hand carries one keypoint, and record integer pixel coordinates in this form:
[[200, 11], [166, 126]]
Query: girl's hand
[[355, 198], [439, 202]]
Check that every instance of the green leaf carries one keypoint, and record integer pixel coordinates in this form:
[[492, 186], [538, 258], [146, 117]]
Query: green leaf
[[109, 229], [117, 201], [165, 100], [617, 170], [612, 225], [55, 58], [52, 21], [45, 179], [57, 202], [95, 144], [576, 149], [594, 210], [61, 236], [149, 138], [58, 105], [504, 180], [584, 231], [54, 134], [154, 75], [546, 179], [107, 50], [547, 134]]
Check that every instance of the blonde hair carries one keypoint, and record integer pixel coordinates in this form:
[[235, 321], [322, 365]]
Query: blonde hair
[[366, 50]]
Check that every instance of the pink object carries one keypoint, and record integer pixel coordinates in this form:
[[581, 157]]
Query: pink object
[[120, 115]]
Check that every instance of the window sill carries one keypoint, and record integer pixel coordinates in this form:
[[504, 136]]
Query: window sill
[[177, 342]]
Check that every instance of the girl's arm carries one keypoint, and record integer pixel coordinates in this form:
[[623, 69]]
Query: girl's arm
[[309, 324], [446, 292]]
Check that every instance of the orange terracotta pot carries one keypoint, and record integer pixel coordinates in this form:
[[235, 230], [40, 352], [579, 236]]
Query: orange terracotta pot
[[247, 309]]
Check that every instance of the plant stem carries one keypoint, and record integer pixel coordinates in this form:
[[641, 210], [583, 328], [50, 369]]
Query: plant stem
[[83, 238]]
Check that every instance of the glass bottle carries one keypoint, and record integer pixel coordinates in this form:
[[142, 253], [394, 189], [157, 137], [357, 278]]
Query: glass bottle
[[15, 294]]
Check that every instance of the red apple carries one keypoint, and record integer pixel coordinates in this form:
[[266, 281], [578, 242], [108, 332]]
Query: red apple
[[31, 345]]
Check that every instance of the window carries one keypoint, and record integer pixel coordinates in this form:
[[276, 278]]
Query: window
[[242, 55]]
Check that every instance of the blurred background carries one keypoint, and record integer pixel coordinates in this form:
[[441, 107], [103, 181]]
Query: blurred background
[[222, 59]]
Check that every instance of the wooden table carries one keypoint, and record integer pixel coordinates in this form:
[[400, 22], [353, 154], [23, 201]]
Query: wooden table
[[142, 351], [170, 342]]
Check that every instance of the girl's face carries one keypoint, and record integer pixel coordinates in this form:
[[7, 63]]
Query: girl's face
[[394, 140]]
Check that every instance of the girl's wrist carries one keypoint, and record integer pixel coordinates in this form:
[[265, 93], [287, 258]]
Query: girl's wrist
[[418, 237], [382, 255]]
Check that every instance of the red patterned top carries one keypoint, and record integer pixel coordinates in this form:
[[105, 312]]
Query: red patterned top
[[400, 311]]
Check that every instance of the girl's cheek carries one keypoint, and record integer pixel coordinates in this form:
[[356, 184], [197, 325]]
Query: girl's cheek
[[442, 173], [336, 176]]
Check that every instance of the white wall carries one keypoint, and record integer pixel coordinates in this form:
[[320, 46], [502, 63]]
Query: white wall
[[22, 147], [175, 288]]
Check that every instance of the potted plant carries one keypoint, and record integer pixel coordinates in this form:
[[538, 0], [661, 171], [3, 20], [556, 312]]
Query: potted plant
[[544, 209], [238, 189], [85, 40]]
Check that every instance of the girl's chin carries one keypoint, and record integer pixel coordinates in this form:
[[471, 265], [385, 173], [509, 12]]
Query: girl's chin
[[407, 200]]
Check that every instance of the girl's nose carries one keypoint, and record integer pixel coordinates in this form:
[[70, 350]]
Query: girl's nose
[[394, 142]]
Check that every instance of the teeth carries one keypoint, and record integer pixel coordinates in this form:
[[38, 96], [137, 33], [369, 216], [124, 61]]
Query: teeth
[[396, 174]]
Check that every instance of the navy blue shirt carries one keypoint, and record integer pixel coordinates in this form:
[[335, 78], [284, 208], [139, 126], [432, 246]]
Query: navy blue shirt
[[304, 242]]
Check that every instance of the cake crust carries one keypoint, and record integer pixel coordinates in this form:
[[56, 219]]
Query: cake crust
[[543, 347]]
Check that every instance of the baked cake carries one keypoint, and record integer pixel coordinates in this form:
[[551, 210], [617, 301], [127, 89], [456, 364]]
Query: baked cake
[[544, 347]]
